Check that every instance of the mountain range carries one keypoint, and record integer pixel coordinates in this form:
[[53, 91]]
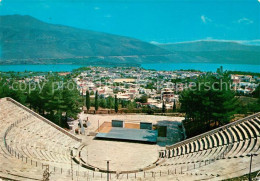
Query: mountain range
[[226, 52], [26, 40]]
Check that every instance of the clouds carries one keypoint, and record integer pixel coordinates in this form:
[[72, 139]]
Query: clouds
[[205, 19], [155, 42], [244, 21]]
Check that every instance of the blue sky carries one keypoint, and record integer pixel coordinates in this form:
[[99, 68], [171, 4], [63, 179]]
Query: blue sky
[[161, 21]]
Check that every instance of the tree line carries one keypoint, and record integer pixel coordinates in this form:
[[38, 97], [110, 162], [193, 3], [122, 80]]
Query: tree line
[[109, 102], [116, 104], [51, 98], [212, 103]]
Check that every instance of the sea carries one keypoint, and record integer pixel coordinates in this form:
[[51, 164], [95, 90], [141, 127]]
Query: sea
[[208, 67]]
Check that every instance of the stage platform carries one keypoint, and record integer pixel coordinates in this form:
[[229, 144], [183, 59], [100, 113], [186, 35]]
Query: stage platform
[[126, 134]]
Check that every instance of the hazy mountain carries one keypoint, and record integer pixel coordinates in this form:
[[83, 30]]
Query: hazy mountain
[[216, 51], [251, 42], [209, 45], [25, 39]]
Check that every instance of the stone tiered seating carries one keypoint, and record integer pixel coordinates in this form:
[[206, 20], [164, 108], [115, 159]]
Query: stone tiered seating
[[28, 141], [34, 135], [236, 140]]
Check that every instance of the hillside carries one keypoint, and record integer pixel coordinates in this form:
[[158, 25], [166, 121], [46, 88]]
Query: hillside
[[216, 52], [25, 39], [209, 45]]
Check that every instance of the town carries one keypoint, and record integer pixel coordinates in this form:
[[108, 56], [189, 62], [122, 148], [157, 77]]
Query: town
[[136, 87], [133, 83], [145, 114]]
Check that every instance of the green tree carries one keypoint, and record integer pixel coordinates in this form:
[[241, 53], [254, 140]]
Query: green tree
[[131, 105], [7, 89], [255, 106], [210, 101], [103, 103], [256, 93], [163, 107], [124, 103], [72, 102], [142, 99], [58, 104], [150, 86], [96, 101], [174, 106], [110, 102], [87, 100], [116, 104]]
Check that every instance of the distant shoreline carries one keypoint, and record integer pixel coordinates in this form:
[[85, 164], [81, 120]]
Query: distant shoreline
[[205, 67]]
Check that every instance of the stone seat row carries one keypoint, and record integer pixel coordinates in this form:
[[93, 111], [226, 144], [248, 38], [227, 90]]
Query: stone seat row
[[32, 139], [246, 133]]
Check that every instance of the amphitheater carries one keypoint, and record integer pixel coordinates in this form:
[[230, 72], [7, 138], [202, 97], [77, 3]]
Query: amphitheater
[[30, 144]]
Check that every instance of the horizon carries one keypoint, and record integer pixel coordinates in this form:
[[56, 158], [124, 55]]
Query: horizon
[[154, 22], [254, 42]]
